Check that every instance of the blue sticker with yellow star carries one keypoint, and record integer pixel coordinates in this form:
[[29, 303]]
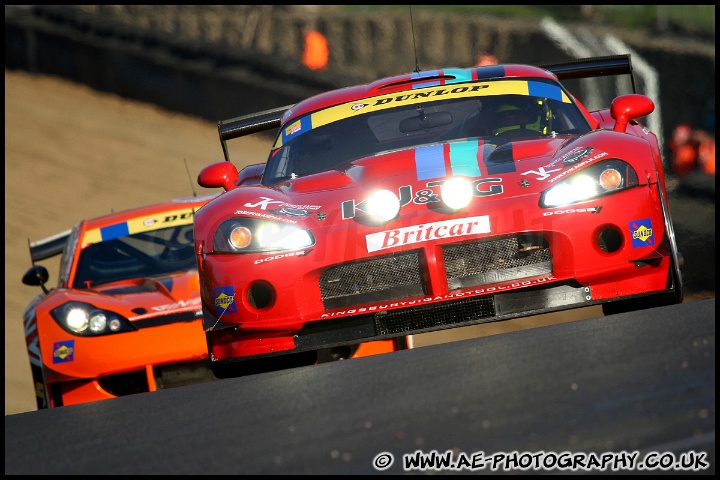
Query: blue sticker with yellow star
[[224, 298], [641, 232], [64, 352]]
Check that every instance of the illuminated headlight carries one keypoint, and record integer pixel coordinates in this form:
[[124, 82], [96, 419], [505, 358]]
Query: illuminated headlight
[[456, 192], [382, 205], [595, 181], [84, 319], [252, 235]]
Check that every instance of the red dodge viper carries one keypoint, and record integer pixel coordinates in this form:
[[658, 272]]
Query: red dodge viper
[[428, 201]]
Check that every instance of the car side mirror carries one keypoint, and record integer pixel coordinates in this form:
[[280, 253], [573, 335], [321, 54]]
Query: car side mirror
[[219, 175], [36, 276], [629, 107]]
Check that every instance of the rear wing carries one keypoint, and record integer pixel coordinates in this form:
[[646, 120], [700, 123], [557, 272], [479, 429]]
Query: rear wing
[[593, 67], [249, 124], [48, 247], [572, 69]]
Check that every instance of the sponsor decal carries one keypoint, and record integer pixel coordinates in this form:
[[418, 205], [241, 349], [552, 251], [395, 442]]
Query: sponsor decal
[[358, 106], [641, 232], [450, 296], [399, 237], [193, 302], [64, 352], [573, 156], [265, 202], [524, 183], [138, 225], [425, 90], [291, 212], [482, 187], [264, 215], [293, 128], [541, 173], [300, 253], [224, 298], [573, 210], [577, 166]]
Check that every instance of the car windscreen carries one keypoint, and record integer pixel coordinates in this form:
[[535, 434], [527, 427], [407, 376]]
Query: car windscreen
[[493, 119], [147, 254]]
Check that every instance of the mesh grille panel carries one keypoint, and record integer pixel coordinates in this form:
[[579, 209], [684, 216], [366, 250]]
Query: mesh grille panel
[[378, 279], [414, 319], [472, 264]]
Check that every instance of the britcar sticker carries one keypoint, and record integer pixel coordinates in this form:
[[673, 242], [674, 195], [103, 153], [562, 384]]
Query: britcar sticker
[[397, 237], [224, 298], [64, 352], [642, 233]]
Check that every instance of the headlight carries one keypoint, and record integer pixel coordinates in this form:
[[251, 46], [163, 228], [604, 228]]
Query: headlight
[[592, 182], [456, 192], [83, 319], [252, 235], [382, 206]]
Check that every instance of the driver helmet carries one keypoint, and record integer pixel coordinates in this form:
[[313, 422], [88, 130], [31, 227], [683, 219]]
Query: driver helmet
[[507, 117]]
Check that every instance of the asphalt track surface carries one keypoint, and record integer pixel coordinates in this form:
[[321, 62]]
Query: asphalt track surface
[[637, 382]]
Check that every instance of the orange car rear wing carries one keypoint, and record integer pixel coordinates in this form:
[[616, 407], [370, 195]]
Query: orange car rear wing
[[48, 247]]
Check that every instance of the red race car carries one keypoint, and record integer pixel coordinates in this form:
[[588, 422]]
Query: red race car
[[429, 201]]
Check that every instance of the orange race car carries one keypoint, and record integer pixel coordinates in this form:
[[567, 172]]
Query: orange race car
[[125, 316]]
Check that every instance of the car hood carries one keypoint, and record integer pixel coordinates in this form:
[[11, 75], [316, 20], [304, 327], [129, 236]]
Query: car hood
[[141, 298], [518, 167]]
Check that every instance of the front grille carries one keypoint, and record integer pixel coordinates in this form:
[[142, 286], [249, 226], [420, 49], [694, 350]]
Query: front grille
[[482, 263], [375, 280], [432, 316]]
